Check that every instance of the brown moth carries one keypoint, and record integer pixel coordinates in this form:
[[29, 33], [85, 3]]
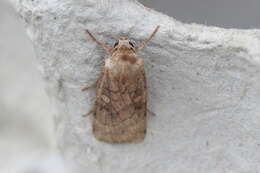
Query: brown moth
[[119, 113]]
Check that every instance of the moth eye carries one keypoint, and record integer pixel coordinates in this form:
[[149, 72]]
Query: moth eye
[[131, 44], [115, 44]]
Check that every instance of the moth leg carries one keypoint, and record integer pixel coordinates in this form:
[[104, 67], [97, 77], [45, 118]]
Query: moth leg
[[104, 46], [151, 113], [146, 41], [89, 86], [89, 112]]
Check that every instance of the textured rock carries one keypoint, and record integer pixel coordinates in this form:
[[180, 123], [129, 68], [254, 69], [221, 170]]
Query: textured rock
[[203, 86]]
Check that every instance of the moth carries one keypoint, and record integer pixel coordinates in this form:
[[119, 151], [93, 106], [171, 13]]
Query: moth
[[120, 109]]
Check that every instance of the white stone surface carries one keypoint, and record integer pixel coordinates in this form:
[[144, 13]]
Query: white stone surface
[[203, 86]]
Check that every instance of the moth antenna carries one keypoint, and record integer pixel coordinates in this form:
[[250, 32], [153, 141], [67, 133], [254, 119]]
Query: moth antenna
[[141, 47], [103, 45]]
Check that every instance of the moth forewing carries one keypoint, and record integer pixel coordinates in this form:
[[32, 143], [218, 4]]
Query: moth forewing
[[119, 113]]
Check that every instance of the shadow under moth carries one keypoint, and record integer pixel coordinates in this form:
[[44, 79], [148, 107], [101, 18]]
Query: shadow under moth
[[120, 109]]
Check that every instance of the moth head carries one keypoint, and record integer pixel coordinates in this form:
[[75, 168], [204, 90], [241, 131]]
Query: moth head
[[124, 44]]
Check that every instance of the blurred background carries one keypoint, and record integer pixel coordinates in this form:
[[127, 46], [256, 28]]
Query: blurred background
[[244, 14], [26, 126]]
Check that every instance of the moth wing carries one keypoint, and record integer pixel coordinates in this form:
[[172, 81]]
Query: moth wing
[[120, 111]]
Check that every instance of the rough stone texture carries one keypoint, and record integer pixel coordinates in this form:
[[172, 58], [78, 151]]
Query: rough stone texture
[[203, 86]]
